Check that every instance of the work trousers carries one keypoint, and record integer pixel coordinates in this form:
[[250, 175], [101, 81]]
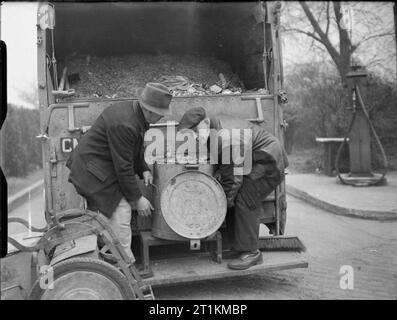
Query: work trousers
[[263, 179], [121, 226]]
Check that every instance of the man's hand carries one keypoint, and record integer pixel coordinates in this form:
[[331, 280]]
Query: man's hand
[[218, 176], [230, 203], [143, 207], [147, 178]]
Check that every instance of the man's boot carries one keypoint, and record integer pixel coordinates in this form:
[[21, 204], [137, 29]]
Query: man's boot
[[246, 260]]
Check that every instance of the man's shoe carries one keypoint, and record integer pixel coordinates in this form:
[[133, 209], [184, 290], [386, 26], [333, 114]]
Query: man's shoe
[[246, 260], [231, 254]]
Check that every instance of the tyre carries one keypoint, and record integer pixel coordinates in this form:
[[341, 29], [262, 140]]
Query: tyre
[[84, 279]]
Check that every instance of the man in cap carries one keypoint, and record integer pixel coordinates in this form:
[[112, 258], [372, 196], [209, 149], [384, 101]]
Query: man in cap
[[262, 171], [104, 165]]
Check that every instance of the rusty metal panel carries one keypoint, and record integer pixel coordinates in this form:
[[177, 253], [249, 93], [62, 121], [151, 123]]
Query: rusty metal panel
[[74, 248], [62, 193], [15, 270], [59, 120]]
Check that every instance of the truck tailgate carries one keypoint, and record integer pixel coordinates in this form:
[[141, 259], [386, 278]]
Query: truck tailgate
[[197, 268]]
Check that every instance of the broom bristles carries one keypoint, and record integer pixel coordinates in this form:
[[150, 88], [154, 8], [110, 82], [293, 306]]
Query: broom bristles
[[281, 243]]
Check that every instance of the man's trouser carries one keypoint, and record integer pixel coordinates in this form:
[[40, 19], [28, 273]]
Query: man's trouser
[[120, 222], [263, 179], [121, 225]]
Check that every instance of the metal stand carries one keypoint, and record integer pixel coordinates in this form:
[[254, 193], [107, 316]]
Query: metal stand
[[360, 139], [147, 241]]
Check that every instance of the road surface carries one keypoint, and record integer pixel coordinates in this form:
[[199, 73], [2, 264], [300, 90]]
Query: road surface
[[369, 247], [32, 211]]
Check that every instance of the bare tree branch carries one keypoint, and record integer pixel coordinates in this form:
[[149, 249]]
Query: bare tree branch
[[380, 35], [321, 25], [325, 40], [310, 34], [328, 20]]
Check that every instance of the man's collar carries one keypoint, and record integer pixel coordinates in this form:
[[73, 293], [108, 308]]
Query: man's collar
[[142, 119]]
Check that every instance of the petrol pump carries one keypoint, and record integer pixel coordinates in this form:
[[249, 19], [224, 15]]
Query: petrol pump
[[359, 138]]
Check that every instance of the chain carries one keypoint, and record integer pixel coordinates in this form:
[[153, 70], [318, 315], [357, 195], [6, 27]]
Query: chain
[[282, 94]]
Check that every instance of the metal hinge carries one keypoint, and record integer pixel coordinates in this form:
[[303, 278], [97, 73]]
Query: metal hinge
[[53, 162], [282, 94], [53, 158], [42, 137]]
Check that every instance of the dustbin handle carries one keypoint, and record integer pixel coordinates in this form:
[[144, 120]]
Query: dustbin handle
[[194, 166]]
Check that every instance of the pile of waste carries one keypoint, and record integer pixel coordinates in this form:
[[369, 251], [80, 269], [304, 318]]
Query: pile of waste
[[122, 76]]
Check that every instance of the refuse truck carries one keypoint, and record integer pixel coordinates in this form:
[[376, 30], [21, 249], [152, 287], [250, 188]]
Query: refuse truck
[[78, 47]]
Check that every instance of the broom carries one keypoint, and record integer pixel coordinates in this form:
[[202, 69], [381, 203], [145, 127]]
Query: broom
[[281, 243]]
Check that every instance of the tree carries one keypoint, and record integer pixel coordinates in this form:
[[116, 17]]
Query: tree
[[30, 96], [323, 24], [395, 23], [22, 149], [315, 107]]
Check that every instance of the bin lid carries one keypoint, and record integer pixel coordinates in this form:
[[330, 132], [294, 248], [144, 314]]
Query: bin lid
[[193, 204]]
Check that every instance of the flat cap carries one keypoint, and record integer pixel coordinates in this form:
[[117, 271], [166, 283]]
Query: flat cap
[[192, 118]]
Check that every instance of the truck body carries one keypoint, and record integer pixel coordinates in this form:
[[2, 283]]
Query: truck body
[[245, 35]]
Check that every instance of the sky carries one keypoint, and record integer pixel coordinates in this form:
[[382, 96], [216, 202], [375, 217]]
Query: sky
[[18, 30]]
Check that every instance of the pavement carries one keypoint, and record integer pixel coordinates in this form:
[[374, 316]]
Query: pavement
[[327, 193]]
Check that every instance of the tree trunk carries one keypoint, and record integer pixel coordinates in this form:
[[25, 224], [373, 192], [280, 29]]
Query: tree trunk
[[345, 50], [395, 26]]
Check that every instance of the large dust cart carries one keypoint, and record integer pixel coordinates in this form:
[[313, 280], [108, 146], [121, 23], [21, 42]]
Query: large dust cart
[[224, 57]]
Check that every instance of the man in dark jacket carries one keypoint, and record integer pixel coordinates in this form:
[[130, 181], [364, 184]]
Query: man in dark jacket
[[262, 170], [104, 165]]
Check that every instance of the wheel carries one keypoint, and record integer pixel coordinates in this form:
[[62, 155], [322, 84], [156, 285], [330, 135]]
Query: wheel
[[84, 279]]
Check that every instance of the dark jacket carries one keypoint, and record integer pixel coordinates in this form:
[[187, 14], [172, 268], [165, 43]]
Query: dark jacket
[[104, 165], [266, 150]]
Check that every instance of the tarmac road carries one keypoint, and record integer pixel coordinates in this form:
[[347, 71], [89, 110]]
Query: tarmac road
[[32, 210], [369, 247]]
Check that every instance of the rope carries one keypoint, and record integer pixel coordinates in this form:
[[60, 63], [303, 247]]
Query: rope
[[361, 102]]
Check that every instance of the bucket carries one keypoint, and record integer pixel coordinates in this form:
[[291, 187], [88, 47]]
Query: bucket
[[164, 175]]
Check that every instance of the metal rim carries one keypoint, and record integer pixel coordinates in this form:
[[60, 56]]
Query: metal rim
[[83, 285], [82, 279], [176, 225]]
